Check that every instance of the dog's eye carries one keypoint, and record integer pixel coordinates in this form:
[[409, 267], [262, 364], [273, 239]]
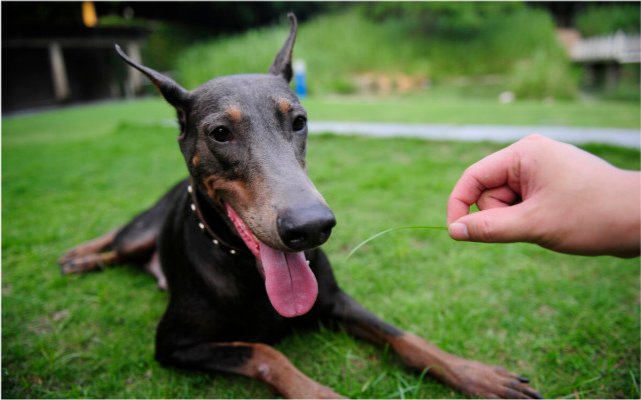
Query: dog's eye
[[221, 134], [299, 123]]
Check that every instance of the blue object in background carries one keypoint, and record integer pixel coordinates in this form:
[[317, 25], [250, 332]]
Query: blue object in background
[[300, 77]]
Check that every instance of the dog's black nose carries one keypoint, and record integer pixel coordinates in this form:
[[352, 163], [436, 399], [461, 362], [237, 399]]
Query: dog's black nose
[[306, 228]]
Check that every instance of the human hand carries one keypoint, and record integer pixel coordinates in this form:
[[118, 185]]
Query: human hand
[[553, 194]]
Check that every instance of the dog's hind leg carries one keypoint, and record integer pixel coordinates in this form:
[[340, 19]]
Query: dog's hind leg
[[90, 247], [135, 242], [137, 245], [153, 268], [90, 256], [89, 262]]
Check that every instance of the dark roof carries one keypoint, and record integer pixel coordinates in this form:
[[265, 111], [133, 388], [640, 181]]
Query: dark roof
[[24, 36]]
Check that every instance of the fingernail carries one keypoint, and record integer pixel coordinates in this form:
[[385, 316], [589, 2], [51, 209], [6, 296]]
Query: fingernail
[[458, 231]]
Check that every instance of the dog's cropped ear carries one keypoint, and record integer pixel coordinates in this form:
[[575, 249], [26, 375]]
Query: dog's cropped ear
[[175, 94], [282, 64]]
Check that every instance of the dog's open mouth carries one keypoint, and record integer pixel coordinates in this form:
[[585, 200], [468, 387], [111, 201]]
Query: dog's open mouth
[[290, 283]]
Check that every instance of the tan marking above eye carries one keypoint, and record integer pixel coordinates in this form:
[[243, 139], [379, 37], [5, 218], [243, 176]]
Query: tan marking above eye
[[234, 114], [195, 160], [284, 105]]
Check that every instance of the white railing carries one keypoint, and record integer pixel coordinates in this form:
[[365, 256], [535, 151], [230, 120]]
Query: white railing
[[617, 47]]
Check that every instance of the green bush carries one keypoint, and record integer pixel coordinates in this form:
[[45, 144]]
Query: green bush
[[333, 46], [607, 19], [356, 41], [543, 76], [499, 46], [628, 86]]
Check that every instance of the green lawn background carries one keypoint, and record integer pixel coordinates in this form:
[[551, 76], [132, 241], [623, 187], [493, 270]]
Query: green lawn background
[[569, 323]]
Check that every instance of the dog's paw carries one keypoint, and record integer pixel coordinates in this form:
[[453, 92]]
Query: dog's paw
[[67, 256], [311, 390], [473, 378], [327, 393], [79, 265], [67, 267], [323, 392], [91, 262], [316, 391], [476, 379]]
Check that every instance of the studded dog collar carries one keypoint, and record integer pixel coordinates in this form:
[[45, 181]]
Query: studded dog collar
[[202, 224]]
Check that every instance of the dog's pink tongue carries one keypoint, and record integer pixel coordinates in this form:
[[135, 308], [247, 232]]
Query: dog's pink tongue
[[290, 283]]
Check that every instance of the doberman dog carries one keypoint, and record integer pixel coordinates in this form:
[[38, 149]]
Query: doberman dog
[[237, 244]]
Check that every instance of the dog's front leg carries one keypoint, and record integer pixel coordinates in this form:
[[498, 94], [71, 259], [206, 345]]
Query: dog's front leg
[[471, 377], [255, 360]]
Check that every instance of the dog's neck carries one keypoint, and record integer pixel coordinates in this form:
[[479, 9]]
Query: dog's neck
[[213, 225]]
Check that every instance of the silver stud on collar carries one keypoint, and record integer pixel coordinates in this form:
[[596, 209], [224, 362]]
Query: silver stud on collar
[[232, 251], [216, 242], [193, 207], [189, 189], [201, 225]]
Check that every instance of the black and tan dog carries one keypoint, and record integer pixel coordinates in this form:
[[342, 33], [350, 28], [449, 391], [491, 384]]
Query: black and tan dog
[[236, 244]]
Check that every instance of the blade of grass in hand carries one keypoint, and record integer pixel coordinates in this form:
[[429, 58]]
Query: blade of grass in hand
[[361, 244]]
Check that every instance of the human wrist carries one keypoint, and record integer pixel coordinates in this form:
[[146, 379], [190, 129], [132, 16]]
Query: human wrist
[[628, 215]]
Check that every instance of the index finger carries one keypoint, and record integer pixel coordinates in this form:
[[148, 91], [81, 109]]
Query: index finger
[[491, 172]]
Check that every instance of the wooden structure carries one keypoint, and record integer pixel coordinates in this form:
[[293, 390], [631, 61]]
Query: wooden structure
[[81, 65], [602, 56], [618, 47]]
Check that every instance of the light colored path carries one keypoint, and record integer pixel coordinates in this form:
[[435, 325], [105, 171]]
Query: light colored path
[[476, 133]]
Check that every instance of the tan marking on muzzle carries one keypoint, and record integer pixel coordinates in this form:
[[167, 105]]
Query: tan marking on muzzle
[[251, 203], [215, 184]]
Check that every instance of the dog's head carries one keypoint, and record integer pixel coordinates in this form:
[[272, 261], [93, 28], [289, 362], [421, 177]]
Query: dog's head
[[244, 140]]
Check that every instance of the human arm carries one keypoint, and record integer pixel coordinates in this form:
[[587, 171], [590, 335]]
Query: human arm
[[552, 194]]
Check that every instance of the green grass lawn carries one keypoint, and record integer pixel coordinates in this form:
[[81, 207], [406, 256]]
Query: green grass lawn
[[437, 107], [569, 323], [441, 106]]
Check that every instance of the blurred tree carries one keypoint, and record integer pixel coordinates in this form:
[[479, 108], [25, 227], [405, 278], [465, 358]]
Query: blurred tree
[[566, 11], [469, 18], [609, 18], [562, 11], [452, 19], [217, 17], [28, 14]]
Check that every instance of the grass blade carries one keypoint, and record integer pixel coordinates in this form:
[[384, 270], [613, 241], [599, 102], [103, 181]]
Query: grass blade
[[364, 242], [635, 383]]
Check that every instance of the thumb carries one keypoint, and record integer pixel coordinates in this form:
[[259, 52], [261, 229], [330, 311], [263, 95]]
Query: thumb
[[496, 225]]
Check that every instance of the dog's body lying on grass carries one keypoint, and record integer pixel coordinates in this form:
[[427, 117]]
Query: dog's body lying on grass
[[236, 244]]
